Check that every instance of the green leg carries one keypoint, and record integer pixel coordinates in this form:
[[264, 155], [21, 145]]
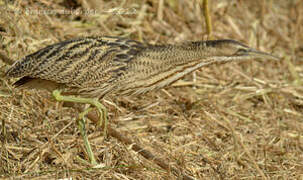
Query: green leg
[[81, 123], [82, 128]]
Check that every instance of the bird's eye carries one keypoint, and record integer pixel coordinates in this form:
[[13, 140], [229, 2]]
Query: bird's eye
[[241, 51]]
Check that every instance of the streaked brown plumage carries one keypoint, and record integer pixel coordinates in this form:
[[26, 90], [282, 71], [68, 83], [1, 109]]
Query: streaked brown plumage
[[96, 66]]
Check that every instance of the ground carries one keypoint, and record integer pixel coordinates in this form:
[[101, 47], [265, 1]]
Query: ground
[[242, 120]]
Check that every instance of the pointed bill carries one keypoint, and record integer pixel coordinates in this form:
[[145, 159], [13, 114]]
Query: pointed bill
[[261, 55]]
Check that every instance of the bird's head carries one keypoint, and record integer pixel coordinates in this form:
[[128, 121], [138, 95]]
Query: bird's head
[[231, 49]]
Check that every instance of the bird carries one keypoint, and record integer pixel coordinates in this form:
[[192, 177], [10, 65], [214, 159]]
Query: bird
[[93, 67]]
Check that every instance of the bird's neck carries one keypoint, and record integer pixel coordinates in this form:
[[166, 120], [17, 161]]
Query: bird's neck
[[180, 54]]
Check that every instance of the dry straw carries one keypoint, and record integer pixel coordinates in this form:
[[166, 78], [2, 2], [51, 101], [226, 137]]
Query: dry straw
[[242, 120]]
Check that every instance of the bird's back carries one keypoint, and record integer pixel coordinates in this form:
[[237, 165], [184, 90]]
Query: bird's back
[[86, 63]]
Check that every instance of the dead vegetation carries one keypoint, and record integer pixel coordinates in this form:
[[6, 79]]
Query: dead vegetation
[[234, 121]]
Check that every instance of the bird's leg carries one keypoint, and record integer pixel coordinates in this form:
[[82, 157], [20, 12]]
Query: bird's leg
[[81, 126], [92, 101], [102, 114]]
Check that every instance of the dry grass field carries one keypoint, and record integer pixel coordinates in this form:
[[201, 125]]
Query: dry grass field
[[241, 120]]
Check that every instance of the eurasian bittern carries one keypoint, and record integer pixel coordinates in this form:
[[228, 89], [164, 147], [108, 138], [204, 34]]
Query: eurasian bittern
[[95, 66]]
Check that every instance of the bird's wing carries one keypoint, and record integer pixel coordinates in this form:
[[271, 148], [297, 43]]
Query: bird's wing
[[86, 63]]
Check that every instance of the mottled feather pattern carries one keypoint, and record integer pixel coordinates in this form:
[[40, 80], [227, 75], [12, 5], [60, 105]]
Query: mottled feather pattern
[[96, 66], [85, 63]]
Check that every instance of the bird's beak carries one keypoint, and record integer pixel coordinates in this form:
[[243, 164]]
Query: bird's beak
[[261, 55]]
